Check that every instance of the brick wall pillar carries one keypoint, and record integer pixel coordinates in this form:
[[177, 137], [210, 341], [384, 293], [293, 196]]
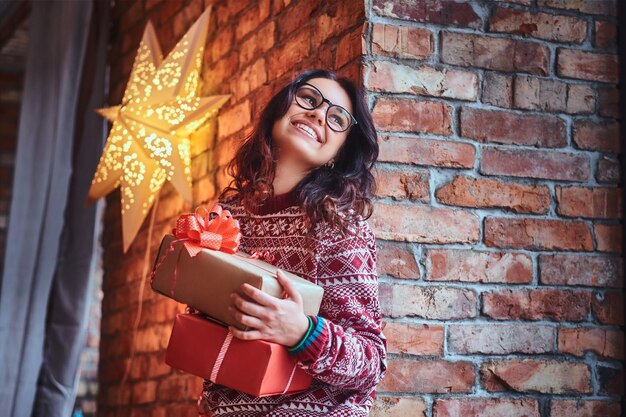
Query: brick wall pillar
[[500, 207], [498, 212]]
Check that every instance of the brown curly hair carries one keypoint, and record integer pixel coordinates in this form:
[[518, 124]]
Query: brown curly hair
[[340, 195]]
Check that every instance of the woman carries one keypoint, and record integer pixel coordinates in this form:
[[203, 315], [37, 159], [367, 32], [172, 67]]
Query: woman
[[301, 191]]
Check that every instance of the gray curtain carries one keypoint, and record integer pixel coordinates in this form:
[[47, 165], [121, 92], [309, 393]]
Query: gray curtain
[[51, 235]]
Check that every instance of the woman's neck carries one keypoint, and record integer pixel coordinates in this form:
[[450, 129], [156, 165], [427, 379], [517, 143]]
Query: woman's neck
[[287, 177]]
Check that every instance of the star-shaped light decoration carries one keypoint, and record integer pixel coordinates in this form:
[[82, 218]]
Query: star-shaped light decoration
[[149, 140]]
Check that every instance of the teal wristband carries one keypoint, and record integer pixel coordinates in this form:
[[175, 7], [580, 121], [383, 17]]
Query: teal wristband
[[305, 337]]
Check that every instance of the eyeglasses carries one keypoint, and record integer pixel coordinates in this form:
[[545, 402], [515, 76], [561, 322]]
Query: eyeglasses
[[337, 118]]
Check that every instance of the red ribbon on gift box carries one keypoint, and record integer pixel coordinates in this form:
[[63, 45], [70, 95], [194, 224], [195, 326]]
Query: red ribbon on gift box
[[215, 229]]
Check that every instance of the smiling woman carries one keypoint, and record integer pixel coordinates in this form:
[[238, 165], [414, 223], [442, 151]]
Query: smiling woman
[[301, 191]]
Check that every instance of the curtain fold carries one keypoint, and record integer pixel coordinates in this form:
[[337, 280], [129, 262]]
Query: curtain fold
[[51, 235]]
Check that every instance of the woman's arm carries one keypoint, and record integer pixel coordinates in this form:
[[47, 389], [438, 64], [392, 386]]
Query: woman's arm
[[350, 350]]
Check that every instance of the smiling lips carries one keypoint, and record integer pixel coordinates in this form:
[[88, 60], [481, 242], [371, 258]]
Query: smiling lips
[[308, 130]]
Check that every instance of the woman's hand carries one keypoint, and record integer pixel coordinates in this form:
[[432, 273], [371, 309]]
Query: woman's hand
[[277, 320]]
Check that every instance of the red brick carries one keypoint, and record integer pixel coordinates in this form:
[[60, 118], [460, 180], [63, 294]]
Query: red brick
[[291, 54], [541, 304], [486, 407], [537, 234], [428, 376], [512, 128], [175, 387], [252, 19], [337, 19], [606, 34], [593, 202], [351, 46], [398, 407], [397, 260], [279, 5], [608, 237], [539, 25], [260, 42], [494, 53], [405, 115], [608, 170], [153, 338], [588, 65], [604, 7], [433, 11], [532, 93], [203, 190], [500, 339], [223, 70], [490, 193], [580, 99], [395, 78], [402, 184], [608, 308], [426, 224], [570, 269], [606, 343], [402, 42], [597, 136], [421, 339], [535, 164], [438, 303], [144, 392], [157, 366], [544, 376], [222, 43], [609, 102], [426, 152], [298, 15], [610, 379], [250, 78], [131, 17], [234, 119], [584, 408], [497, 89], [476, 266], [115, 395]]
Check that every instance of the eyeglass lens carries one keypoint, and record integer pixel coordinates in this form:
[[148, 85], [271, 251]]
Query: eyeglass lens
[[337, 117]]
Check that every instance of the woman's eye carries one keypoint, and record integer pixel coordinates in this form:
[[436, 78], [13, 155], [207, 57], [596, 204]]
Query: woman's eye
[[310, 99], [337, 120]]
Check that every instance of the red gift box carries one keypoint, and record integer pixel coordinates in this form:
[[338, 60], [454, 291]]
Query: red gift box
[[208, 350]]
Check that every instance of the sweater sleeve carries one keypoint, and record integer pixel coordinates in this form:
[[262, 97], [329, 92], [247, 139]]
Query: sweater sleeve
[[350, 349]]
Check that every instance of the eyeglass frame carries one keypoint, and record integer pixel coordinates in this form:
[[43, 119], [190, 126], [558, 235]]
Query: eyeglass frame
[[353, 121]]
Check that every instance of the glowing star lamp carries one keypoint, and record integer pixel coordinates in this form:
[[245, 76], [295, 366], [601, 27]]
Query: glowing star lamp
[[149, 140]]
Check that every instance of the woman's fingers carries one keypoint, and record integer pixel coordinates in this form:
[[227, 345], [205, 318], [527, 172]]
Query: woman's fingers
[[259, 296], [288, 287], [245, 334], [248, 307], [245, 319]]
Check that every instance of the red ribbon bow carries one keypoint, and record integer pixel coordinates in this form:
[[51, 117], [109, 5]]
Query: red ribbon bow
[[215, 229]]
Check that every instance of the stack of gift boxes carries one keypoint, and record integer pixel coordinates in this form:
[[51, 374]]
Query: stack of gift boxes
[[190, 272]]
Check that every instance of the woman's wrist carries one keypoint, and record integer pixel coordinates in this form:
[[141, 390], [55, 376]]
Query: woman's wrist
[[306, 334]]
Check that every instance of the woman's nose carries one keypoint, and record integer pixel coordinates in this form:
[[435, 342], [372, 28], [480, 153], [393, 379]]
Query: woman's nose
[[318, 113]]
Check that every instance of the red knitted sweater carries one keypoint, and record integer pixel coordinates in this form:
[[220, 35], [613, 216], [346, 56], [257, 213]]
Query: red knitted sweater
[[348, 359]]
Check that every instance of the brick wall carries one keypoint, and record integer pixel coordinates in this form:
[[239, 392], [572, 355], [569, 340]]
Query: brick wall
[[498, 213], [259, 46]]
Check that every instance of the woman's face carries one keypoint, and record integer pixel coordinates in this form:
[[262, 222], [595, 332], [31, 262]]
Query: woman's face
[[303, 136]]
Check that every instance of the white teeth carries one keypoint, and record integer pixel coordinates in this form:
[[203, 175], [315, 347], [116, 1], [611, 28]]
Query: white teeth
[[307, 129]]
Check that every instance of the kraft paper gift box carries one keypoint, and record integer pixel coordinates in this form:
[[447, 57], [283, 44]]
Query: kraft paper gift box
[[208, 350], [206, 281]]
